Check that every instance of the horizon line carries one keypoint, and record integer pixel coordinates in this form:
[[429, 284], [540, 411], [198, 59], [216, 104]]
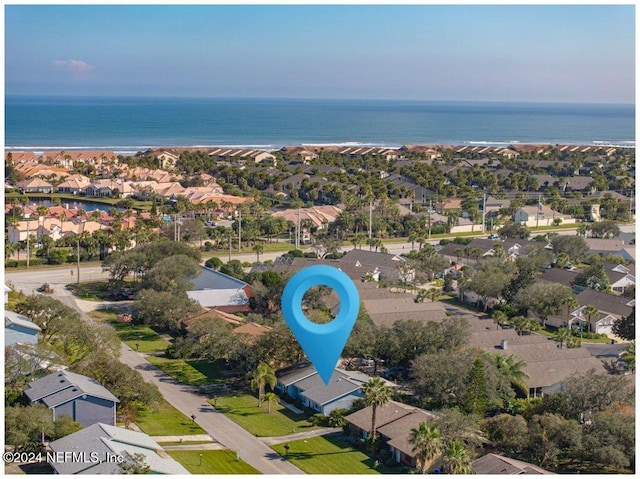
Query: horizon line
[[279, 98]]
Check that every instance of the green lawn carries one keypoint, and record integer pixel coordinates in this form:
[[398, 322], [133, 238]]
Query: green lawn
[[147, 339], [194, 372], [167, 421], [102, 315], [243, 409], [213, 462], [329, 455]]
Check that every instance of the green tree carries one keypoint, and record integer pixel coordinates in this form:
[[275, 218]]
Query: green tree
[[594, 277], [499, 317], [25, 424], [427, 444], [63, 426], [629, 355], [476, 397], [546, 299], [562, 335], [514, 230], [258, 249], [261, 377], [377, 393], [135, 464], [625, 327], [457, 459], [552, 437], [574, 247], [271, 398], [512, 369], [509, 434]]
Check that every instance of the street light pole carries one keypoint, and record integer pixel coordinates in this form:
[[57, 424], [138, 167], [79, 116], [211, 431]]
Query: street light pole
[[78, 266], [28, 216]]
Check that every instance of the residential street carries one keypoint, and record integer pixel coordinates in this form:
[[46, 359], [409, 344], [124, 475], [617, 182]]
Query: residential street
[[184, 398]]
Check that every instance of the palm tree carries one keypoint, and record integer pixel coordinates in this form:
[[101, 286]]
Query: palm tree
[[590, 312], [457, 459], [271, 398], [258, 248], [512, 370], [262, 376], [519, 323], [562, 335], [427, 444], [376, 393], [499, 317]]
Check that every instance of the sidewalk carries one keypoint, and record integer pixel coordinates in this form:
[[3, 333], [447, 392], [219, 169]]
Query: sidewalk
[[270, 441]]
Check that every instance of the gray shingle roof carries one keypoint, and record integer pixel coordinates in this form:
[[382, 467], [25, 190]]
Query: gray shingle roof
[[211, 279], [101, 439], [607, 303], [384, 414], [55, 383], [491, 464], [19, 320]]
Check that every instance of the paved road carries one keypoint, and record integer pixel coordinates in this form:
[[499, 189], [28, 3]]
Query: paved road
[[184, 398]]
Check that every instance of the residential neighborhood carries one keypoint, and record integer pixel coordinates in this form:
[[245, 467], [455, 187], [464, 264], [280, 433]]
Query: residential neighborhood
[[497, 298]]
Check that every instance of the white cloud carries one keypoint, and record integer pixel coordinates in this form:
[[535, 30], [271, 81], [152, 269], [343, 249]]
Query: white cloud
[[77, 67]]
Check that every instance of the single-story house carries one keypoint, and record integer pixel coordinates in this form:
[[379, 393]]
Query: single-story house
[[394, 422], [92, 451], [492, 464], [621, 277], [80, 397], [611, 307], [35, 185], [546, 364], [306, 385], [601, 323], [614, 247], [213, 289], [19, 329]]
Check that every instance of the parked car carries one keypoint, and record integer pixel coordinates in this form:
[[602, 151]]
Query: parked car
[[494, 236]]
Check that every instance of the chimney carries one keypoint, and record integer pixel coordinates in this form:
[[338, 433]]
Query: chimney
[[503, 344]]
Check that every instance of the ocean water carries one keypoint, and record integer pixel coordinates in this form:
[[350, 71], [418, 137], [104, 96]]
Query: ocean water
[[133, 124]]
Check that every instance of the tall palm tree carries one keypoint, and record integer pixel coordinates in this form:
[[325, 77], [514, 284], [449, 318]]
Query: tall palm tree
[[261, 377], [376, 393], [590, 312], [271, 398], [457, 459], [427, 444]]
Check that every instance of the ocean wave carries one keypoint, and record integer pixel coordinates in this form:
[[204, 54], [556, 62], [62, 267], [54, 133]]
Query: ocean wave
[[352, 144]]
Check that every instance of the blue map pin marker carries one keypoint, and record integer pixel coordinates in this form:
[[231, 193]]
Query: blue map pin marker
[[323, 343]]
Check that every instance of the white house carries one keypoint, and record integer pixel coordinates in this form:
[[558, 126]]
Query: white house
[[541, 215]]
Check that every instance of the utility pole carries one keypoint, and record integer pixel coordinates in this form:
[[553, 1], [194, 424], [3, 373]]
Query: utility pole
[[229, 238], [298, 230], [370, 217], [239, 229], [484, 209], [539, 210], [28, 216], [429, 218], [78, 268]]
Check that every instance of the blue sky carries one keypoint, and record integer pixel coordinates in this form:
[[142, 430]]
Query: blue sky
[[539, 53]]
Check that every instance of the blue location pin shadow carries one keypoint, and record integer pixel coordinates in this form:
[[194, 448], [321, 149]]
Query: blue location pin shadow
[[323, 343]]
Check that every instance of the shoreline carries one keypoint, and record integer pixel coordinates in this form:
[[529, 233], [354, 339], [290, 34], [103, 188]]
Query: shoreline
[[133, 149]]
